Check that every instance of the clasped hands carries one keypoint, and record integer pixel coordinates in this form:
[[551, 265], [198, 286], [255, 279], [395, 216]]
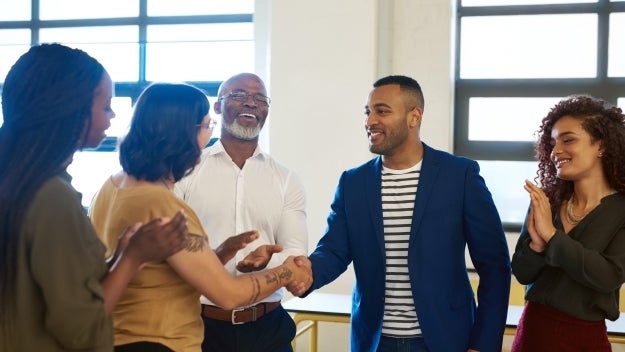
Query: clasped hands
[[539, 222]]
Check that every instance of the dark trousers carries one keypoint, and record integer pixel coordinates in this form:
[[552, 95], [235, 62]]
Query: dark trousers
[[273, 332]]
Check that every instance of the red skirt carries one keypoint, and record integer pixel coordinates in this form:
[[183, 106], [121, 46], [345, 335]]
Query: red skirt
[[542, 328]]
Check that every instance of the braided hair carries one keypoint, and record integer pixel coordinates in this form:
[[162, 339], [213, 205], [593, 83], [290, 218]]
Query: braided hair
[[46, 105]]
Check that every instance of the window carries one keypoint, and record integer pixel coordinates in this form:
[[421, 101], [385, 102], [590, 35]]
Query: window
[[514, 60], [138, 42]]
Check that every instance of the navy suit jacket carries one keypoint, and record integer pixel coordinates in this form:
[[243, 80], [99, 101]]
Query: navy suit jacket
[[453, 209]]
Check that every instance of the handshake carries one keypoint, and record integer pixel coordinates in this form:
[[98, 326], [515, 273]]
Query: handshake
[[300, 284], [295, 274]]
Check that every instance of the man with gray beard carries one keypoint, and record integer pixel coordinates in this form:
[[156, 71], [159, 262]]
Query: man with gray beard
[[237, 187]]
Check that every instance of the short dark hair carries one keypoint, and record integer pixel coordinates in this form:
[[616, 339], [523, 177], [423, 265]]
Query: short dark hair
[[406, 84], [162, 140]]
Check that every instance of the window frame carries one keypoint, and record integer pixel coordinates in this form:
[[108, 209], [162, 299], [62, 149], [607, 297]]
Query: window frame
[[142, 21], [608, 88]]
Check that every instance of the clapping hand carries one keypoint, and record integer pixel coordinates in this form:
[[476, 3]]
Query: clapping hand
[[259, 258], [539, 224], [233, 244]]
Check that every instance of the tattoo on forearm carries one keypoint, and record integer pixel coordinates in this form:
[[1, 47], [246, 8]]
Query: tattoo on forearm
[[286, 275], [195, 243], [272, 277], [255, 289]]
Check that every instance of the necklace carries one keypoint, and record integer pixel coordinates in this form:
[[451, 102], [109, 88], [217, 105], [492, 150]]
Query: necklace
[[570, 216]]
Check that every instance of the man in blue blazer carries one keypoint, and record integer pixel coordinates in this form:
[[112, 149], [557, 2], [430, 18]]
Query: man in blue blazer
[[403, 219]]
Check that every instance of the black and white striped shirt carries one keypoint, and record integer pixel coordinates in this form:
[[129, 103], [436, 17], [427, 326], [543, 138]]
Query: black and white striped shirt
[[399, 189]]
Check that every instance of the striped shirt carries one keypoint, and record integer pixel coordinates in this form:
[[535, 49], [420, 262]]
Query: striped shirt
[[399, 189]]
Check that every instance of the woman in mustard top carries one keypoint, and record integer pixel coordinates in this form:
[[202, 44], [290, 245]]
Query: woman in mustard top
[[160, 309]]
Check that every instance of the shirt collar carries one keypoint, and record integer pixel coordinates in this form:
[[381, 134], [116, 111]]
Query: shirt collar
[[218, 148]]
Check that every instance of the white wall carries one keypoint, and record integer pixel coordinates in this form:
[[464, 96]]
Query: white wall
[[319, 62]]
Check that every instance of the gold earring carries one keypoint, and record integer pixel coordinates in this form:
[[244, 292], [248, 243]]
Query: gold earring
[[600, 154]]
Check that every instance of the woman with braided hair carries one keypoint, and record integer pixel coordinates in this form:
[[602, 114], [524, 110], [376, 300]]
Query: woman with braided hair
[[571, 251], [56, 291]]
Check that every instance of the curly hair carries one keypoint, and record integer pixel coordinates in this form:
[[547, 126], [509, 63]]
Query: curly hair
[[46, 103], [162, 140], [605, 123]]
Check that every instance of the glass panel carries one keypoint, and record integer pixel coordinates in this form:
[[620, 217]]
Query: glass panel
[[210, 52], [194, 7], [198, 61], [122, 106], [529, 46], [200, 32], [116, 47], [120, 60], [505, 181], [507, 119], [621, 101], [89, 171], [15, 10], [104, 35], [520, 2], [13, 43], [80, 9], [15, 36], [616, 52]]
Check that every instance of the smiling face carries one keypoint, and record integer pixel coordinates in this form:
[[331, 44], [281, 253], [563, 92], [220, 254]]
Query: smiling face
[[574, 153], [101, 114], [391, 120], [242, 119]]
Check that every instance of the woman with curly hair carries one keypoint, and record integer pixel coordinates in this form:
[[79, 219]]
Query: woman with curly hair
[[571, 250]]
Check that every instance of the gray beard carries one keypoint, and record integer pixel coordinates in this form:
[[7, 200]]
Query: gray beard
[[241, 132]]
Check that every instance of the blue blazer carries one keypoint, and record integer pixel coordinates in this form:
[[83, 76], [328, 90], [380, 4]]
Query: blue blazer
[[453, 209]]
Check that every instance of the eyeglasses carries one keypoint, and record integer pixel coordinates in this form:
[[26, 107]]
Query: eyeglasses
[[241, 95], [210, 125]]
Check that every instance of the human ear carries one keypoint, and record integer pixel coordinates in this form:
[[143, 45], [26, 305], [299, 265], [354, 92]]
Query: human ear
[[217, 107], [416, 115]]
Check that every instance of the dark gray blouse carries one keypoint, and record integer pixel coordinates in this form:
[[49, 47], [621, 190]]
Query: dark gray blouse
[[579, 273]]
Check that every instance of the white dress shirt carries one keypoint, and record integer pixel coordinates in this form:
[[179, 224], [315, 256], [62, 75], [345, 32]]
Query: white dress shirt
[[263, 196]]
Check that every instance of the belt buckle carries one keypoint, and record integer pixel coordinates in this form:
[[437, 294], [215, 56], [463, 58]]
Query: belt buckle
[[234, 311]]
